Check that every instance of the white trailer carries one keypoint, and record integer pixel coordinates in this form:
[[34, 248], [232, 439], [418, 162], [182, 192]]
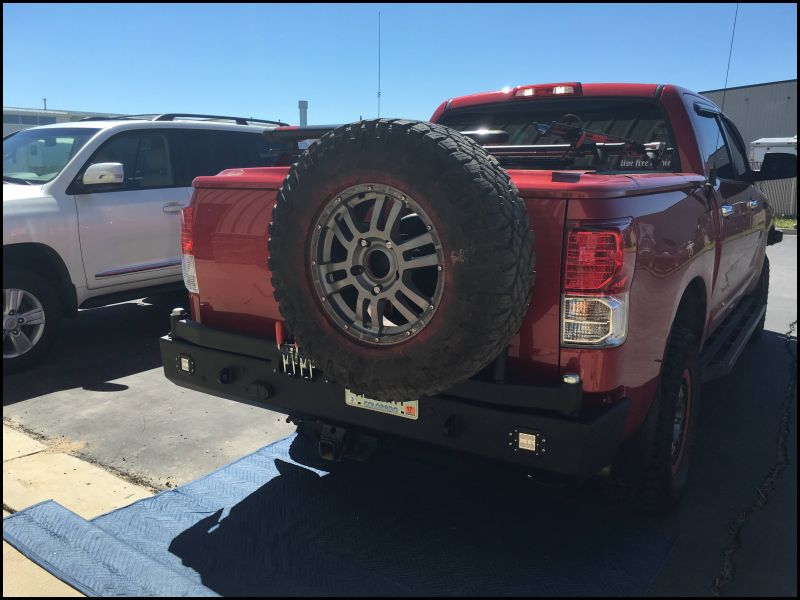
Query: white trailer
[[782, 193]]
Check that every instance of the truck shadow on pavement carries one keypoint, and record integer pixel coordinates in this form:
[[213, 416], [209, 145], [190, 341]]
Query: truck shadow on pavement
[[401, 526], [97, 347]]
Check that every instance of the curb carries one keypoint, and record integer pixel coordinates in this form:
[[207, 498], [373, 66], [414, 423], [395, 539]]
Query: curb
[[788, 231]]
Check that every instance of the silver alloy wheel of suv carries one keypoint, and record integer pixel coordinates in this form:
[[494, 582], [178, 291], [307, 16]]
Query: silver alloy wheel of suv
[[23, 322]]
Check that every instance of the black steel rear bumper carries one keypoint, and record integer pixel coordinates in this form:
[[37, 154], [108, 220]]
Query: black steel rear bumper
[[475, 417]]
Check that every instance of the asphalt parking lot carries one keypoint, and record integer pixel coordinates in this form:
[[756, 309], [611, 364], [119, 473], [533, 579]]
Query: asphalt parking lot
[[735, 533]]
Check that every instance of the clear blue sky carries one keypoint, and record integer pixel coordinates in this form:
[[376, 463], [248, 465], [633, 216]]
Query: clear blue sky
[[259, 60]]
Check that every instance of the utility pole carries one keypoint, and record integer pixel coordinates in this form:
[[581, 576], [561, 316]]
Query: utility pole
[[45, 103]]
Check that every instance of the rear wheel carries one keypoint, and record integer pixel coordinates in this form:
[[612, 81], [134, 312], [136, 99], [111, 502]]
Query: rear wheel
[[652, 467], [31, 316]]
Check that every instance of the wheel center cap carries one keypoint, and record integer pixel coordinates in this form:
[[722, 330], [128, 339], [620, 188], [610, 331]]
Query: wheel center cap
[[378, 264], [10, 323]]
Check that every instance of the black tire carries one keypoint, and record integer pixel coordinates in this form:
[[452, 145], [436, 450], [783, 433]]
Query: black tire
[[762, 293], [36, 286], [647, 473], [487, 251]]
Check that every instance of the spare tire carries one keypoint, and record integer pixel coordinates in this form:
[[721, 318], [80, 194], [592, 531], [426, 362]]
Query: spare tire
[[401, 257]]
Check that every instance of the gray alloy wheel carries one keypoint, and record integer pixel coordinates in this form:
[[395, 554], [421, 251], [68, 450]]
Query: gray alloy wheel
[[376, 262], [23, 322]]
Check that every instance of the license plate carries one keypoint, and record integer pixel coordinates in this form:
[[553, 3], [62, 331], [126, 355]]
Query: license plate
[[407, 410]]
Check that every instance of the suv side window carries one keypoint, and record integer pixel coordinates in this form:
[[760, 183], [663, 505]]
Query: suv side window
[[208, 151], [145, 157], [739, 166]]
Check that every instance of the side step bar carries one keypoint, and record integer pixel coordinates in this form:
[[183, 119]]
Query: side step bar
[[722, 350]]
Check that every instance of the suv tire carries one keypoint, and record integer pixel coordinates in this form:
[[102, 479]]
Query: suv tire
[[27, 295], [350, 293]]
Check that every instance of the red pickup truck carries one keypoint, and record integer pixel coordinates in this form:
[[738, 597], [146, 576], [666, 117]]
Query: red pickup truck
[[543, 275]]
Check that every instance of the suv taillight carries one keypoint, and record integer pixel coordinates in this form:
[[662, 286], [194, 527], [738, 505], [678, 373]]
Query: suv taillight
[[598, 267], [187, 249]]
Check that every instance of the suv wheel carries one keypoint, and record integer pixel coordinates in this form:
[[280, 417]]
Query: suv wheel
[[31, 316], [651, 468]]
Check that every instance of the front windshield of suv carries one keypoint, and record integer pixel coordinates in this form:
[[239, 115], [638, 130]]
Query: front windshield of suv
[[36, 156], [640, 121]]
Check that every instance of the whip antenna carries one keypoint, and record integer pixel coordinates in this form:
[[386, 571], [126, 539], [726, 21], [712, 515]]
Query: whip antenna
[[379, 64]]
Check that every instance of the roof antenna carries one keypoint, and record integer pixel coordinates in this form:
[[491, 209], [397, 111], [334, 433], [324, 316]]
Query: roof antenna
[[724, 90], [379, 64], [730, 52]]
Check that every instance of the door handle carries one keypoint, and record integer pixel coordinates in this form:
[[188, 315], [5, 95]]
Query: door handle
[[726, 209], [753, 203], [172, 207]]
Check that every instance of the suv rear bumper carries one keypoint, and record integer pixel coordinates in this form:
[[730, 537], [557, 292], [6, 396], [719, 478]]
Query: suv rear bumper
[[475, 417]]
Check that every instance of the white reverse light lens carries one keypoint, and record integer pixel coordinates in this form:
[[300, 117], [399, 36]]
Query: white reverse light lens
[[594, 321], [189, 274], [563, 89]]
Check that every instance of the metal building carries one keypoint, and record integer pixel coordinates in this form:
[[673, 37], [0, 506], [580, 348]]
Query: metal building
[[15, 119], [763, 110]]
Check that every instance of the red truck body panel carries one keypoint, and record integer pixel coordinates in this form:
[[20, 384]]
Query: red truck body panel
[[677, 245]]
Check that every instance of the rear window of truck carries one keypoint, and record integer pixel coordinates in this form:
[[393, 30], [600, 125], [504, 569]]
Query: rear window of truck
[[638, 120]]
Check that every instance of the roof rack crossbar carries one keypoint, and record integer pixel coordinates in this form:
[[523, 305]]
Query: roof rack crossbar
[[118, 117], [238, 120]]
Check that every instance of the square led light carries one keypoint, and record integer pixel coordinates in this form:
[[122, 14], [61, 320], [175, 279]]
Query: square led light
[[527, 441], [185, 364]]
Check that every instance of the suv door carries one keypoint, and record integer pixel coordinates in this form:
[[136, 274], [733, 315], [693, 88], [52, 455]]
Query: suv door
[[130, 232], [729, 199]]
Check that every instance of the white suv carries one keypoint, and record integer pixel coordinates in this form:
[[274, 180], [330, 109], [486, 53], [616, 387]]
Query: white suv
[[91, 212]]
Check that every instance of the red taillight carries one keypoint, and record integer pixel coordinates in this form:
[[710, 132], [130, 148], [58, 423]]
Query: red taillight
[[593, 258], [187, 220], [598, 269]]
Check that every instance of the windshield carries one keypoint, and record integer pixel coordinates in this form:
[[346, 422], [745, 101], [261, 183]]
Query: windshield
[[36, 156], [630, 119]]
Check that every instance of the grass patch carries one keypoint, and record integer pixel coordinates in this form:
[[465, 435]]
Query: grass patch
[[785, 223]]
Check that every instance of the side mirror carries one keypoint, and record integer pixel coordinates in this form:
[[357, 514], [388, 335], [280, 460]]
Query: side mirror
[[104, 173], [777, 165]]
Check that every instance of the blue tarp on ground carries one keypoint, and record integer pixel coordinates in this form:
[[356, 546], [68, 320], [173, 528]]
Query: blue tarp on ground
[[278, 522]]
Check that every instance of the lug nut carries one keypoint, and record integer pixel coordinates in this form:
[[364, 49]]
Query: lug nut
[[388, 244], [364, 243], [20, 320], [16, 332], [376, 289]]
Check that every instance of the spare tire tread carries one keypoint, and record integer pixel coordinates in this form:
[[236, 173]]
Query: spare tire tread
[[491, 205]]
